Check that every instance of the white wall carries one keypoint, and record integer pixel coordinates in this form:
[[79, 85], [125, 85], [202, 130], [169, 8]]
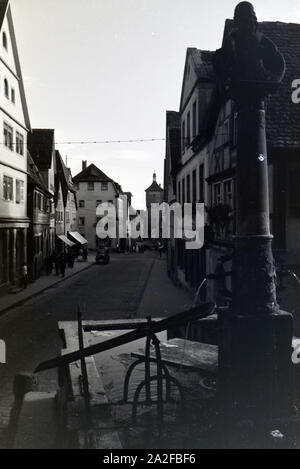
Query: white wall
[[12, 114], [89, 211]]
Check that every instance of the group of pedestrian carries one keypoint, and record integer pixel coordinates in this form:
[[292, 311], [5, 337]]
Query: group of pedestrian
[[59, 261]]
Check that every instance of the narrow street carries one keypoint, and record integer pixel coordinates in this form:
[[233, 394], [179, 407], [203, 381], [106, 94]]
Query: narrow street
[[132, 285]]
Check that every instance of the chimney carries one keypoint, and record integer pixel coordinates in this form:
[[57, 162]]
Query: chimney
[[154, 177], [84, 165]]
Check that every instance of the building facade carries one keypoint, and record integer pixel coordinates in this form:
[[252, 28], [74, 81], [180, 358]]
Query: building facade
[[186, 162], [65, 204], [39, 208], [15, 125], [205, 170], [94, 187], [41, 203]]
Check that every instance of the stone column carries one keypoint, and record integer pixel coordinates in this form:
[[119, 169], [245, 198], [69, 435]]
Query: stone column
[[255, 368]]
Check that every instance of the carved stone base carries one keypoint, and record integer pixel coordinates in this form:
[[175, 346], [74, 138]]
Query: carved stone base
[[254, 290]]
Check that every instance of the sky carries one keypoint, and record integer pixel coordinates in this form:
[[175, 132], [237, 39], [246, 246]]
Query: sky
[[109, 69]]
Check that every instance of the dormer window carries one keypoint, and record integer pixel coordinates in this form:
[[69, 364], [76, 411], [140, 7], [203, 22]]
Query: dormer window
[[4, 40], [6, 89]]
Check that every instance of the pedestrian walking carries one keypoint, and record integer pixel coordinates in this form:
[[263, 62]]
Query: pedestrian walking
[[160, 249], [84, 254], [56, 263], [62, 265], [72, 259], [24, 276]]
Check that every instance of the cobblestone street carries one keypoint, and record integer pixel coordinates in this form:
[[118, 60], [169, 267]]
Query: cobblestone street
[[132, 285]]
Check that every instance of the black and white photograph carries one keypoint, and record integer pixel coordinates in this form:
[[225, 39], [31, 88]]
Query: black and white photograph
[[149, 227]]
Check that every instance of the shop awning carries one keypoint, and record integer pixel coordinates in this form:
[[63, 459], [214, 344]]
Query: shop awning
[[77, 236], [65, 240]]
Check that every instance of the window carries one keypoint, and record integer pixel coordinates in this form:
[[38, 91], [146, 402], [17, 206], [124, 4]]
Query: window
[[183, 136], [226, 131], [6, 88], [81, 221], [201, 183], [81, 203], [110, 202], [188, 130], [8, 190], [59, 216], [194, 119], [235, 129], [98, 202], [188, 188], [194, 188], [104, 186], [4, 40], [13, 95], [90, 186], [228, 192], [67, 217], [47, 205], [39, 201], [8, 136], [19, 191], [19, 143], [217, 195]]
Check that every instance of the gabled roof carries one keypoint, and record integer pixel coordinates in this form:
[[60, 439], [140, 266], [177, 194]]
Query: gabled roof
[[154, 186], [117, 187], [202, 61], [64, 172], [34, 176], [5, 10], [173, 119], [282, 115], [91, 174], [41, 146]]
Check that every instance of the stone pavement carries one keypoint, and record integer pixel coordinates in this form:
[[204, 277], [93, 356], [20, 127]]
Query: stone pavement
[[44, 282], [161, 297]]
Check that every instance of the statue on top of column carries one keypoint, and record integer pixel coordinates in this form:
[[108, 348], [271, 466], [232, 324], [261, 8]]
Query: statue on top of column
[[248, 60]]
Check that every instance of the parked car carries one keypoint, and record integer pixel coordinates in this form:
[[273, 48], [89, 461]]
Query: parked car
[[102, 255]]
